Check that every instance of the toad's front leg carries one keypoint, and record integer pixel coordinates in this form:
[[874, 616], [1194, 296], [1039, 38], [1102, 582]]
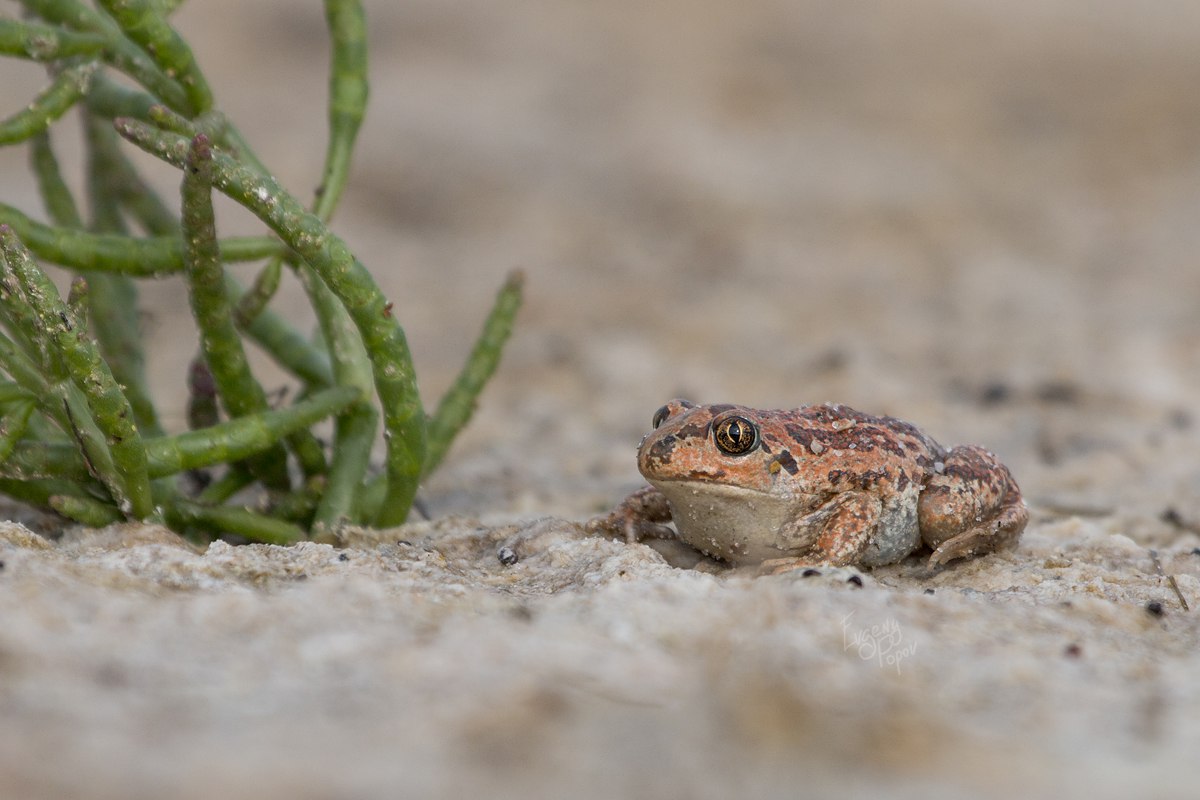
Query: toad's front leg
[[637, 518], [836, 534]]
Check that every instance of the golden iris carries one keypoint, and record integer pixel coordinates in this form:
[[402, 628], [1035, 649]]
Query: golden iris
[[735, 436]]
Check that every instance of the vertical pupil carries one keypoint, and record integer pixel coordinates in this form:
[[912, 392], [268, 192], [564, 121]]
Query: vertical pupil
[[745, 436], [736, 436]]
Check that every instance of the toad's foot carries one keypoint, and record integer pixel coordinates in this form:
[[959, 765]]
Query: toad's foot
[[999, 532], [637, 518], [973, 507]]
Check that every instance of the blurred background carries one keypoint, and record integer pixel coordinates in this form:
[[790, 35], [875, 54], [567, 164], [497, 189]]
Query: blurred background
[[979, 216]]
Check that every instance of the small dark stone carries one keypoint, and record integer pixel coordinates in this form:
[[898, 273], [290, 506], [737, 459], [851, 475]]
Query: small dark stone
[[1196, 551], [929, 591], [831, 360], [1, 565], [1171, 517], [507, 556], [808, 573], [1155, 608], [995, 393], [111, 676], [1058, 391], [343, 557], [855, 580], [1073, 650]]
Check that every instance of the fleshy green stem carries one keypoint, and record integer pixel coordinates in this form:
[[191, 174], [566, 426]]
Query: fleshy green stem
[[54, 101], [13, 427], [355, 430], [46, 42], [240, 438], [85, 510], [457, 405], [395, 382], [147, 258], [120, 52], [113, 299], [44, 460], [40, 492], [272, 332], [60, 203], [144, 23], [78, 431], [287, 345], [347, 97], [230, 519], [90, 373], [110, 99], [240, 393], [255, 301]]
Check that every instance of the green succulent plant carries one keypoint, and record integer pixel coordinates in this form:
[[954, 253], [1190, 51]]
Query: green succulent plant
[[80, 433]]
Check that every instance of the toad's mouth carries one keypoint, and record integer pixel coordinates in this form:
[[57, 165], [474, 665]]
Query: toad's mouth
[[706, 475], [706, 480]]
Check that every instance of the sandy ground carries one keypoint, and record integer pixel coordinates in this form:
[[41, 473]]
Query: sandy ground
[[978, 216]]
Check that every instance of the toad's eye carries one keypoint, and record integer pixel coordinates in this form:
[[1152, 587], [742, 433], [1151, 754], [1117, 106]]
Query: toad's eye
[[660, 416], [735, 436]]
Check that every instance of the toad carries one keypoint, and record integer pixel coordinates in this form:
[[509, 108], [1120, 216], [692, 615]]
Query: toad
[[816, 485]]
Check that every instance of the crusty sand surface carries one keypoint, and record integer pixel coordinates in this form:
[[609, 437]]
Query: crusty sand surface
[[982, 217]]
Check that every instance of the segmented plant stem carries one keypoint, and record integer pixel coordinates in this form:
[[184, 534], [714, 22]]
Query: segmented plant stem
[[404, 419], [272, 332], [241, 438], [348, 92], [255, 300], [56, 195], [457, 405], [54, 101], [355, 431], [13, 427], [39, 42], [240, 393], [18, 362], [113, 299], [230, 519], [78, 431], [109, 99], [119, 51], [111, 410], [40, 491], [85, 510], [144, 23], [285, 344], [146, 258], [44, 460]]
